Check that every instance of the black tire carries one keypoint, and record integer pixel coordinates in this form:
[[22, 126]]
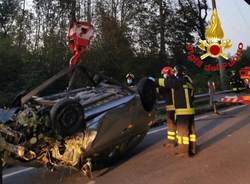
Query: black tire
[[67, 117], [147, 91]]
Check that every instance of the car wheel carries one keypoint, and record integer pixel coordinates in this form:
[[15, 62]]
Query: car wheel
[[67, 117], [147, 91]]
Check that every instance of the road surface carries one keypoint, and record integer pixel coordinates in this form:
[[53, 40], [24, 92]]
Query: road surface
[[224, 157]]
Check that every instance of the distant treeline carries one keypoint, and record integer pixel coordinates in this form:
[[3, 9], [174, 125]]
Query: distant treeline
[[138, 36]]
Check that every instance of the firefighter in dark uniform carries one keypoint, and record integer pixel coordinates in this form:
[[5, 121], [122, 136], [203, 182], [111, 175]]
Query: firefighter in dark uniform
[[235, 81], [168, 94], [184, 110]]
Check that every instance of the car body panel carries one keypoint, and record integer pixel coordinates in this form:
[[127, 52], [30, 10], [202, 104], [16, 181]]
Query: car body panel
[[121, 123]]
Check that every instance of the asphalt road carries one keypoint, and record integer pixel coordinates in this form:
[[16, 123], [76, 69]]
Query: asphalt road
[[224, 157]]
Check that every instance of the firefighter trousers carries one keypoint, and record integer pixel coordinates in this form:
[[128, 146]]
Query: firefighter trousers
[[171, 128], [186, 134]]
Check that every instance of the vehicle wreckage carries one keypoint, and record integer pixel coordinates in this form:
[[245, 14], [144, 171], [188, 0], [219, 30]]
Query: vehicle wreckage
[[73, 128], [77, 127]]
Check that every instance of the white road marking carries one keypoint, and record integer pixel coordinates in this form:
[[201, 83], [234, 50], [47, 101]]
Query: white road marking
[[17, 172], [198, 118], [233, 108], [149, 133], [157, 130]]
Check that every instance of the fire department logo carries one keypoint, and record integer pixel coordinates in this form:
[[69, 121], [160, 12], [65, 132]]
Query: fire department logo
[[214, 45]]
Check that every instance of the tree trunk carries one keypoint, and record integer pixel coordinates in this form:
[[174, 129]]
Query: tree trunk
[[122, 12], [73, 11], [162, 31], [202, 20], [89, 16], [20, 32]]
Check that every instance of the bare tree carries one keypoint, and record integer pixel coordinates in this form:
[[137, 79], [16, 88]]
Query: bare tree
[[202, 15], [89, 12]]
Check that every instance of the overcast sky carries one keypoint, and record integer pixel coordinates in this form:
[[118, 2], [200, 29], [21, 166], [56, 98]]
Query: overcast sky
[[235, 19]]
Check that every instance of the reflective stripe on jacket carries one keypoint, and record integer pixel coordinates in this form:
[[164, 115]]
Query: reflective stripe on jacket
[[183, 94], [168, 94]]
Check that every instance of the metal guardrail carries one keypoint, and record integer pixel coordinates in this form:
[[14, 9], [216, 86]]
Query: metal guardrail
[[198, 98], [206, 96]]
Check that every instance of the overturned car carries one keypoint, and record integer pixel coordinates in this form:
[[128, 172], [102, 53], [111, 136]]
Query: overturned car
[[78, 127]]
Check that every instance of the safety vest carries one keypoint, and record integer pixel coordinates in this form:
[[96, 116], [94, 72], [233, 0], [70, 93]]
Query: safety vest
[[183, 94], [188, 108], [171, 107], [168, 94]]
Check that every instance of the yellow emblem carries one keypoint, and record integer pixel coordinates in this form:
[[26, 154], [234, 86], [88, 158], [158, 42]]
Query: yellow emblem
[[214, 43]]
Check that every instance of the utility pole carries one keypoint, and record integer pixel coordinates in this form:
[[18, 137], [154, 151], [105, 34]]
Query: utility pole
[[222, 82], [214, 4], [220, 61]]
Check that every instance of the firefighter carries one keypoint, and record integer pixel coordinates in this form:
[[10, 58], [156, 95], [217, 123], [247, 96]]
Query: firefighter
[[168, 94], [235, 81], [184, 110], [130, 79]]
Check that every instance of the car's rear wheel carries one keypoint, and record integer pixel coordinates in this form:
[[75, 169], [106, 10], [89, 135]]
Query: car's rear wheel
[[147, 91], [67, 117]]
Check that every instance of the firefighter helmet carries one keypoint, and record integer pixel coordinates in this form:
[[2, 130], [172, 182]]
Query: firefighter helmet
[[165, 70], [180, 69]]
